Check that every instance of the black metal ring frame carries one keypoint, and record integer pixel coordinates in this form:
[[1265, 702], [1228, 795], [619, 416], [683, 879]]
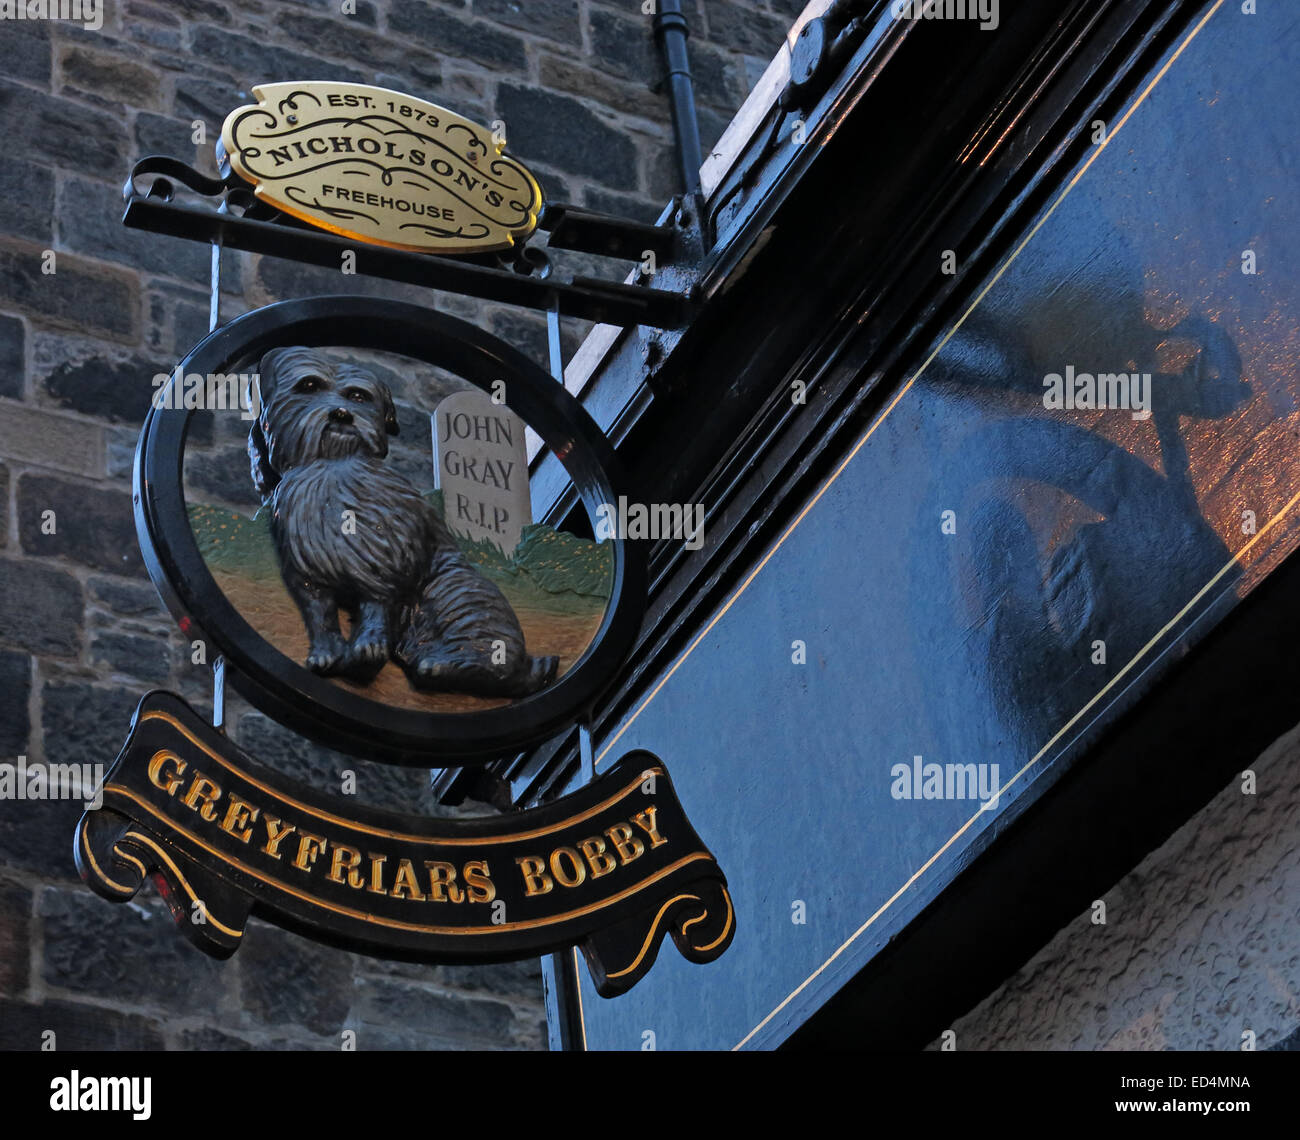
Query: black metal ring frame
[[312, 705]]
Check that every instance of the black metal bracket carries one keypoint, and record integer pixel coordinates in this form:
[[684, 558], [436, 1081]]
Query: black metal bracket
[[244, 223], [603, 234], [822, 46]]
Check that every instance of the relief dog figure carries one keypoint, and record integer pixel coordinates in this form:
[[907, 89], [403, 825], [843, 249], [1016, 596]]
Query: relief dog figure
[[353, 533]]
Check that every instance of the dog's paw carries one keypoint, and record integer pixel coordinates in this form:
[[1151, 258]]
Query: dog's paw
[[365, 657], [437, 672], [451, 674], [539, 673], [327, 655]]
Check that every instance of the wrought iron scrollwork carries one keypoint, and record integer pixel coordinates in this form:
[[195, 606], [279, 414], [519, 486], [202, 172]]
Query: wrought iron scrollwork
[[236, 195]]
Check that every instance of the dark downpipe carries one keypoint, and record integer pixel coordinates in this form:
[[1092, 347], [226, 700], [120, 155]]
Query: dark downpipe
[[671, 32]]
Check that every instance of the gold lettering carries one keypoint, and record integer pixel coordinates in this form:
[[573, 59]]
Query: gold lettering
[[536, 880], [442, 882], [238, 816], [404, 885], [481, 888], [579, 872], [645, 820], [202, 794], [309, 846], [598, 860], [349, 858], [376, 873], [171, 781], [276, 832], [627, 845]]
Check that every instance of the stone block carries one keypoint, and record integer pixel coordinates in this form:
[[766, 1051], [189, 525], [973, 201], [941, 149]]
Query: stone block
[[91, 525], [455, 36], [42, 608], [15, 720], [562, 132], [98, 948], [77, 294], [76, 1026]]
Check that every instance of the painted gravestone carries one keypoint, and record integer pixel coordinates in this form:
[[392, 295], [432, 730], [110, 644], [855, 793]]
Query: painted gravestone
[[482, 469]]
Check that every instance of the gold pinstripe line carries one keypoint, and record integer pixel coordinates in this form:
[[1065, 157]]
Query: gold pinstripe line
[[94, 863], [144, 871], [138, 837], [726, 926], [650, 936]]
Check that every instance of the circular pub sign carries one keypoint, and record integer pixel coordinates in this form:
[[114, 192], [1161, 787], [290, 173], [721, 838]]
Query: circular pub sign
[[374, 601]]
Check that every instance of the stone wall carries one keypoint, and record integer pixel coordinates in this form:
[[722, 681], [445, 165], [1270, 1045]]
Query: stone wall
[[1199, 947], [82, 633]]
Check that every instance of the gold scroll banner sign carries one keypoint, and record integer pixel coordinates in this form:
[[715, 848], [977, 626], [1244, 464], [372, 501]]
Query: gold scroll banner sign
[[382, 167], [612, 868]]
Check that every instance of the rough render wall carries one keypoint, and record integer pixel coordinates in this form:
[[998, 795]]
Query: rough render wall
[[1201, 943], [82, 633]]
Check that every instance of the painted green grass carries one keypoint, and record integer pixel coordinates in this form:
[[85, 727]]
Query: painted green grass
[[233, 543], [546, 561]]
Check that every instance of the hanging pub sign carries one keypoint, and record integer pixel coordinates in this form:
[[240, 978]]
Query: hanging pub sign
[[381, 167], [393, 601]]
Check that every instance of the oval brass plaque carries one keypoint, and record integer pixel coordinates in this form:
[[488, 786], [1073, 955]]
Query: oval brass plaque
[[381, 167]]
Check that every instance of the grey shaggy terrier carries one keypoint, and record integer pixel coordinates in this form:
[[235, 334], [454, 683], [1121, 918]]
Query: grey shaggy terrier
[[318, 451]]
